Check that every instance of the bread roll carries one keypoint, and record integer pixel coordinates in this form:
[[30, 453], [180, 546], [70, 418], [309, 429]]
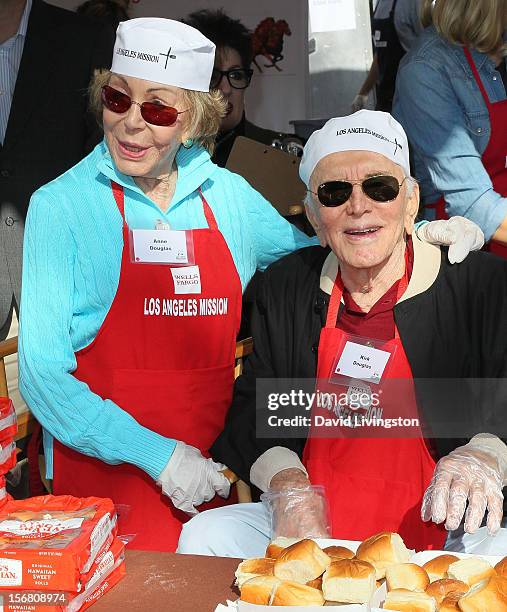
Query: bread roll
[[339, 552], [294, 594], [406, 576], [301, 562], [349, 581], [470, 570], [315, 584], [383, 550], [253, 567], [437, 567], [450, 603], [501, 568], [276, 546], [259, 590], [404, 600], [486, 596], [440, 589]]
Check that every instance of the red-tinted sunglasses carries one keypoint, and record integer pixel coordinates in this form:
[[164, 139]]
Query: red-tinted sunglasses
[[156, 114]]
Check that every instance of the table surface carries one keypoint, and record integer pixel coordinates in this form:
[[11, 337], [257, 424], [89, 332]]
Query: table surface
[[167, 581]]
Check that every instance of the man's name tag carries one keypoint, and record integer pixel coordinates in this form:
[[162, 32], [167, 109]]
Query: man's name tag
[[186, 280], [363, 362], [160, 246]]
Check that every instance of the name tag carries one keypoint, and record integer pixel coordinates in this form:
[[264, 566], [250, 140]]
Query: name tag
[[186, 280], [160, 246], [363, 362]]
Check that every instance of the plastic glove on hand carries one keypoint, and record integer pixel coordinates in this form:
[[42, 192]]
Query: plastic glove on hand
[[465, 474], [189, 479], [459, 234], [298, 509]]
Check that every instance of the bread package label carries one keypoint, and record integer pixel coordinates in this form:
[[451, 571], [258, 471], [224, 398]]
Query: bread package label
[[73, 602], [47, 543], [8, 420]]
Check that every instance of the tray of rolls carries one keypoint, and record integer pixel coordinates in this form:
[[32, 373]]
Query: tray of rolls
[[380, 573]]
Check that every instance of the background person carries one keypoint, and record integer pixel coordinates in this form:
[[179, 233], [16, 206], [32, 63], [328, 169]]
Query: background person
[[112, 11], [451, 99], [388, 52], [232, 74], [401, 297], [41, 135]]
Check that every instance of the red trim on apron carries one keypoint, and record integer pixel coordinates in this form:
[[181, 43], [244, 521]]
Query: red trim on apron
[[372, 484], [494, 158], [173, 374]]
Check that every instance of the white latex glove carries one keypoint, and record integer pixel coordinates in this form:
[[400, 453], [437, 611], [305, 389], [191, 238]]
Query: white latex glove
[[465, 474], [459, 234], [359, 102], [189, 479]]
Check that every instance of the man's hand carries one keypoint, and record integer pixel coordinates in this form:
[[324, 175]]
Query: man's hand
[[298, 509], [465, 474], [459, 234], [189, 479]]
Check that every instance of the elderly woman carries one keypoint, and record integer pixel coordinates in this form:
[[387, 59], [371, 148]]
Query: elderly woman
[[127, 357], [372, 294], [451, 99]]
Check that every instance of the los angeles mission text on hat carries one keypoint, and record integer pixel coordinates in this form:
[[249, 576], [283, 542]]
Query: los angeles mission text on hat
[[360, 130], [139, 55]]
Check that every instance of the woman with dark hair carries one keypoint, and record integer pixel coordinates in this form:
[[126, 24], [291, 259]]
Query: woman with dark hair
[[231, 75], [112, 11]]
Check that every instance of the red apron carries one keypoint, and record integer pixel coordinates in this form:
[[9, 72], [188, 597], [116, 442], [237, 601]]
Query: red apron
[[372, 484], [173, 374], [494, 158]]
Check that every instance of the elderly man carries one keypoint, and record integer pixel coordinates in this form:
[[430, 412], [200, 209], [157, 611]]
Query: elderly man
[[372, 294]]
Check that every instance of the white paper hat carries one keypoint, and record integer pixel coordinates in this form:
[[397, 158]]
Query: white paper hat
[[164, 51], [363, 131]]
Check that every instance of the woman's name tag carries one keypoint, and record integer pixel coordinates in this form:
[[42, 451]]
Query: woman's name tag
[[362, 362], [160, 246]]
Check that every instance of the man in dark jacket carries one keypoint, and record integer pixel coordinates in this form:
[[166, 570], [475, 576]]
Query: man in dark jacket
[[45, 128], [432, 331]]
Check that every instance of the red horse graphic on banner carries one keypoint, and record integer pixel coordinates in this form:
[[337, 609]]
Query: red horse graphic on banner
[[267, 41]]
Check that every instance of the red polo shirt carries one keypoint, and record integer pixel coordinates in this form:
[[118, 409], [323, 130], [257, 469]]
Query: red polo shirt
[[379, 322]]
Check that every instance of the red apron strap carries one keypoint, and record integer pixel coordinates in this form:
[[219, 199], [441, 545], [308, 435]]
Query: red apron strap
[[334, 301], [477, 76], [208, 213], [119, 198], [120, 201]]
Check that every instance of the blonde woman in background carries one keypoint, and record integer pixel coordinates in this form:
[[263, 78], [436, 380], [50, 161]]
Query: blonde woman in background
[[451, 99]]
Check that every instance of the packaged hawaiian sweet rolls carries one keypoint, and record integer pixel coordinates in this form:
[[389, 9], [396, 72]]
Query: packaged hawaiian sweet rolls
[[48, 542], [8, 420]]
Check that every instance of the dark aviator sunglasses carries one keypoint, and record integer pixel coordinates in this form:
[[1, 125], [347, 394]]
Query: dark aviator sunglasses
[[381, 188]]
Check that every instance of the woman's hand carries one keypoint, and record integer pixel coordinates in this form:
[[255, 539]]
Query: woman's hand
[[465, 474], [189, 479], [298, 511], [459, 234]]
